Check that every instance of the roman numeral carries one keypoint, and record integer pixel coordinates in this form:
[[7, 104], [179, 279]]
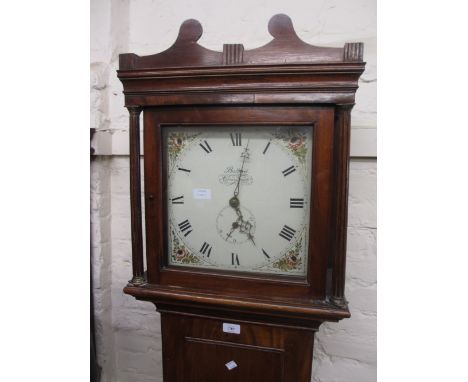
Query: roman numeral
[[206, 249], [178, 200], [296, 203], [266, 147], [288, 171], [236, 139], [183, 169], [234, 259], [266, 254], [205, 146], [287, 233], [185, 226]]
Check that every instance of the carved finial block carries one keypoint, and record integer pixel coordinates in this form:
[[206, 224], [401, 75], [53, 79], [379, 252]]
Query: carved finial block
[[353, 51], [233, 54]]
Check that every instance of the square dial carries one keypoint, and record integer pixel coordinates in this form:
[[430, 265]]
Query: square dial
[[238, 197]]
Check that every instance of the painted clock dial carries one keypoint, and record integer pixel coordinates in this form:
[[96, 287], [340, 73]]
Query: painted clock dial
[[238, 197]]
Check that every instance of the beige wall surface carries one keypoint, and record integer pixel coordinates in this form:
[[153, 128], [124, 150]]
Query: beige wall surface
[[128, 331]]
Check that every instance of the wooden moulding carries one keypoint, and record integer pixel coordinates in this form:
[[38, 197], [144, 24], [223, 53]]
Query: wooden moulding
[[307, 315], [286, 70]]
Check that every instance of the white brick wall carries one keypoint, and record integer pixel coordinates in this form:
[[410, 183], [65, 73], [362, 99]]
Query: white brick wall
[[128, 331]]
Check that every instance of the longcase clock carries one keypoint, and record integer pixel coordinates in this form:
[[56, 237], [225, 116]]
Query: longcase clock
[[246, 156]]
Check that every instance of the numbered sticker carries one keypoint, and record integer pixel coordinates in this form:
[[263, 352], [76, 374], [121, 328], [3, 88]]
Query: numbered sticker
[[201, 193], [231, 365], [231, 328]]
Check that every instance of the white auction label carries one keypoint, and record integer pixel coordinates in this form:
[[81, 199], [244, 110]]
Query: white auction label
[[231, 365], [202, 193], [231, 328]]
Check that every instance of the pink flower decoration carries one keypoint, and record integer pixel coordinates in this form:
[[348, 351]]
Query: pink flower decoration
[[176, 141], [181, 253], [295, 143], [291, 259]]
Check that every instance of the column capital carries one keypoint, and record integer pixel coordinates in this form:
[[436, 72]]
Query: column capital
[[134, 109], [345, 106]]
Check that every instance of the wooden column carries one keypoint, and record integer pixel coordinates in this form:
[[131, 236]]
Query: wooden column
[[135, 196], [342, 147]]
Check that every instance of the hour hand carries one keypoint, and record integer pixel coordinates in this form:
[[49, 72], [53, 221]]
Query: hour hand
[[234, 226]]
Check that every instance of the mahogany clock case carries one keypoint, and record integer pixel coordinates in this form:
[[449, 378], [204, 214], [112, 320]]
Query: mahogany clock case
[[286, 82]]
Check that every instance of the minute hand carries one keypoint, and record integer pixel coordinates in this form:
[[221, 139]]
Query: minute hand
[[244, 155]]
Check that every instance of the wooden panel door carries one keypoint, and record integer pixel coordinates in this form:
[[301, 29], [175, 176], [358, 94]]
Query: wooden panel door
[[214, 361], [196, 349]]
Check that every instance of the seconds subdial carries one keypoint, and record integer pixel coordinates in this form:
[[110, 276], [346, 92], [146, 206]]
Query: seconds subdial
[[233, 228]]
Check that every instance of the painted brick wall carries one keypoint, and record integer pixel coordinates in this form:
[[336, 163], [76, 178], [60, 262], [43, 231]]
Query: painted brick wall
[[128, 332]]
